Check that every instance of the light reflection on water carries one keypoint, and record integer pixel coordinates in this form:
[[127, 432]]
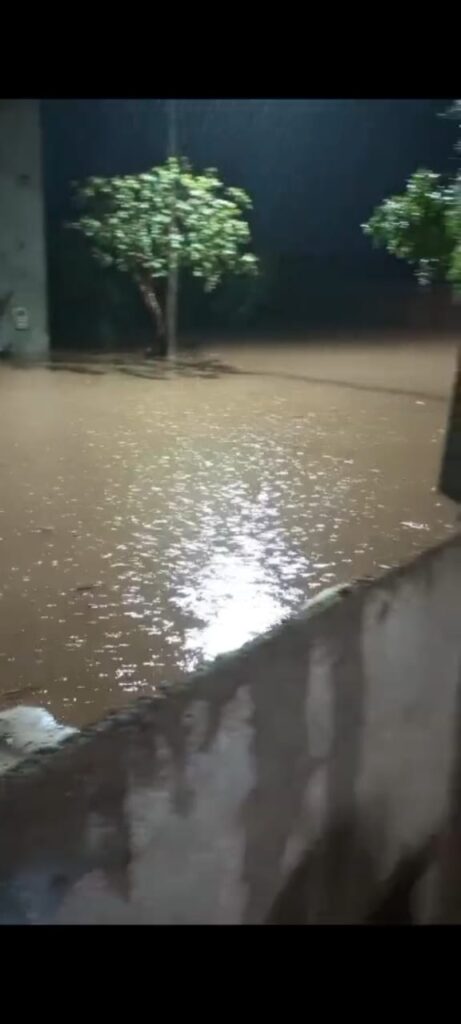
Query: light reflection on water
[[236, 597], [147, 526]]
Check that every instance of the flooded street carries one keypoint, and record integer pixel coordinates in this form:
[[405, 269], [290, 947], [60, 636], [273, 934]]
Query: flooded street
[[150, 521]]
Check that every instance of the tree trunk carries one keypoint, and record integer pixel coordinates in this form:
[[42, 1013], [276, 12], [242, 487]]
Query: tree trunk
[[172, 312], [153, 306], [173, 271]]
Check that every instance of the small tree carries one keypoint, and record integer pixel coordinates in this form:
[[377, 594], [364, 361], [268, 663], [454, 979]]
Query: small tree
[[423, 224], [169, 216]]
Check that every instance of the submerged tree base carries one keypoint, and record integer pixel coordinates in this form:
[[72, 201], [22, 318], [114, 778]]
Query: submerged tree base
[[154, 352]]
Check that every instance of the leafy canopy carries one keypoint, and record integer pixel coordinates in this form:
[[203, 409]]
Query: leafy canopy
[[169, 216], [422, 226]]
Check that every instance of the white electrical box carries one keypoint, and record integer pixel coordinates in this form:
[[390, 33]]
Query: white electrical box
[[20, 318]]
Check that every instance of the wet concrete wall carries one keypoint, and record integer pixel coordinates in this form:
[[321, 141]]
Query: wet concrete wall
[[282, 785], [23, 296]]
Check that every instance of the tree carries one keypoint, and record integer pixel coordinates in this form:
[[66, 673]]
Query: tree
[[169, 216], [423, 224]]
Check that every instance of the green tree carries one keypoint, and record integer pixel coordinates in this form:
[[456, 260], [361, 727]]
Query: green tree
[[170, 216], [422, 225]]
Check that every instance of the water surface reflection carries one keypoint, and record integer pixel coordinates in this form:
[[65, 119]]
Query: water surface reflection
[[147, 525]]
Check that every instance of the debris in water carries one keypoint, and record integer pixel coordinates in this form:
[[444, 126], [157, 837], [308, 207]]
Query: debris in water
[[24, 731], [416, 526]]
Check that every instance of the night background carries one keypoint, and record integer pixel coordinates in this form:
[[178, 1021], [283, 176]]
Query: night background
[[314, 169]]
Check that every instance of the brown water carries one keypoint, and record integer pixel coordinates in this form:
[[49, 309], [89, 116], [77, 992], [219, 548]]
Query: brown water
[[148, 524]]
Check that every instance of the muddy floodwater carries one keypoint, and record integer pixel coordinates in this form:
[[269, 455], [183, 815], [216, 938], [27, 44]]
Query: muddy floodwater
[[151, 520]]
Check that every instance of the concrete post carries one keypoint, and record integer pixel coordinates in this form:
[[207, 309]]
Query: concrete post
[[23, 294]]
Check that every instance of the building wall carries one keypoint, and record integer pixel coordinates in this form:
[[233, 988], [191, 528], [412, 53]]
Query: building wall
[[22, 246], [283, 784]]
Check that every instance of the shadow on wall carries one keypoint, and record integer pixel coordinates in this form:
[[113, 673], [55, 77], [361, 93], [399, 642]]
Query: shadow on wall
[[40, 860], [448, 880], [394, 902], [423, 888], [329, 885]]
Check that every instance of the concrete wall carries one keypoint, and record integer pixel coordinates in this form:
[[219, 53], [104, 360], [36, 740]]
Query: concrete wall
[[22, 247], [285, 783]]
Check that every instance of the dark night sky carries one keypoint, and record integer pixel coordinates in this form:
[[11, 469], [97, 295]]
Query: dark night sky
[[315, 168]]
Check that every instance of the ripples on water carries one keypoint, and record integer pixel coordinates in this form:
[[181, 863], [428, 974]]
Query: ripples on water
[[147, 526]]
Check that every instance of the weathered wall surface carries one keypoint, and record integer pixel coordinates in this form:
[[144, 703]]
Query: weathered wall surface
[[284, 783], [22, 247]]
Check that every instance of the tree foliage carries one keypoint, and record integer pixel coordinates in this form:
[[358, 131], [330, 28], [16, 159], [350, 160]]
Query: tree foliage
[[143, 224], [421, 226]]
